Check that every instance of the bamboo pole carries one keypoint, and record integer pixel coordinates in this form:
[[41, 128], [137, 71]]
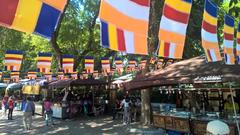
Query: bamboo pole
[[234, 108]]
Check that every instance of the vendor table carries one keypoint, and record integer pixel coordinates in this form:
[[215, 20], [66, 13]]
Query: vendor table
[[59, 112], [186, 124]]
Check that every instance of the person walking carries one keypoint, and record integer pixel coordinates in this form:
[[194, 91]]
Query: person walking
[[4, 105], [10, 108], [126, 107], [48, 111], [28, 112]]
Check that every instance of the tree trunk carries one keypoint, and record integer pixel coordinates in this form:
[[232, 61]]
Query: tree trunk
[[153, 30], [53, 40], [91, 37]]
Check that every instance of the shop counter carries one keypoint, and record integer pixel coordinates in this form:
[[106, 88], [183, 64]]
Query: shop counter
[[60, 112], [187, 124]]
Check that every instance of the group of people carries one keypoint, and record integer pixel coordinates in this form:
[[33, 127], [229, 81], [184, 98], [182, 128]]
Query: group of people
[[130, 107], [8, 103], [28, 109]]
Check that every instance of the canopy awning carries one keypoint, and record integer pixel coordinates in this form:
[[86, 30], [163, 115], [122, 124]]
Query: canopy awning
[[195, 70], [78, 82]]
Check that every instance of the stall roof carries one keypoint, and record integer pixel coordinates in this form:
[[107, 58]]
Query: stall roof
[[194, 70], [78, 82]]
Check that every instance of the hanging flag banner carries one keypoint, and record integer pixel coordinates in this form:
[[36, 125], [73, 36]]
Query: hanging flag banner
[[169, 62], [173, 28], [153, 60], [60, 75], [124, 25], [95, 74], [15, 76], [44, 62], [74, 75], [32, 75], [1, 74], [238, 43], [209, 32], [89, 64], [34, 16], [229, 40], [119, 65], [142, 64], [160, 63], [131, 65], [48, 76], [105, 65], [68, 62], [13, 60]]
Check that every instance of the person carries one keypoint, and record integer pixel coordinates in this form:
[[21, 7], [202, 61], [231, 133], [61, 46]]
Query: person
[[138, 105], [116, 106], [126, 107], [228, 106], [48, 111], [10, 108], [28, 112], [5, 105]]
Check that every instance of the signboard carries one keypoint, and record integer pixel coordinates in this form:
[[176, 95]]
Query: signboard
[[31, 89], [208, 79]]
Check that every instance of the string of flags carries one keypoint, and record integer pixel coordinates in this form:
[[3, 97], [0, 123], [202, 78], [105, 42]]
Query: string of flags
[[118, 31], [13, 60]]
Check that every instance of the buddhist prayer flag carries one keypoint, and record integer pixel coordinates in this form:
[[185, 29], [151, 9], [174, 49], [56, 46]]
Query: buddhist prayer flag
[[131, 65], [124, 25], [31, 16], [238, 60], [229, 59], [228, 40], [169, 62], [44, 62], [15, 76], [238, 44], [32, 75], [209, 32], [153, 60], [1, 75], [74, 75], [60, 75], [119, 65], [173, 28], [13, 60], [48, 76], [105, 65], [142, 64], [89, 64], [68, 62]]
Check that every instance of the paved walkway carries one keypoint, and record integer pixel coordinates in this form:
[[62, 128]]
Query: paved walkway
[[85, 126]]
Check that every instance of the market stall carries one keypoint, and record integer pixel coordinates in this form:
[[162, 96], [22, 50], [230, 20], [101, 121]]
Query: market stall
[[200, 80], [65, 102]]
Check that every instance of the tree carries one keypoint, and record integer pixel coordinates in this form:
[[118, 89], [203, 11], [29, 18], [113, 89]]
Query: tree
[[153, 30]]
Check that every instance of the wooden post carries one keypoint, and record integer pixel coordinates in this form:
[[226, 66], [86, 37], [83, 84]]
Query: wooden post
[[235, 112]]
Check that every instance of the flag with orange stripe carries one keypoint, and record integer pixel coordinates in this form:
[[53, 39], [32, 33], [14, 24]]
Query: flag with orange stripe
[[209, 32], [228, 40], [89, 64], [13, 60], [68, 62], [238, 43], [173, 28], [124, 25], [44, 61]]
